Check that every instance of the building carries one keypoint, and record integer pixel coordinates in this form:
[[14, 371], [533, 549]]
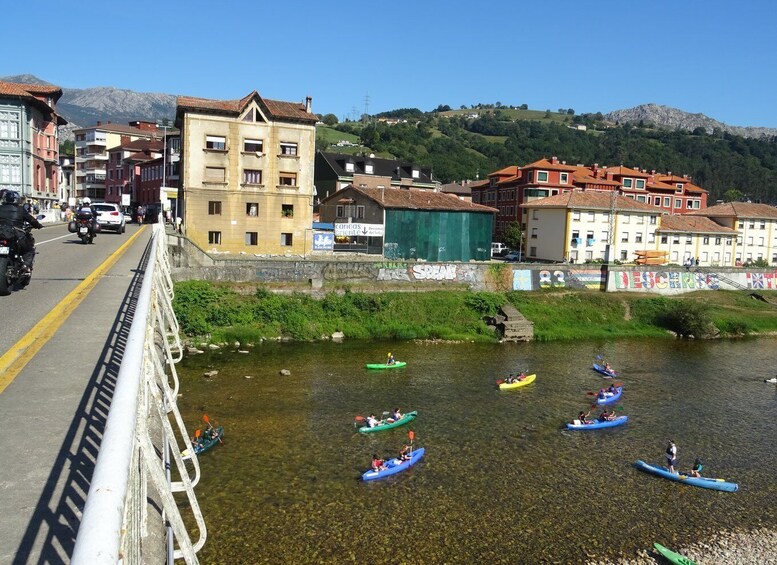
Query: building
[[335, 171], [29, 142], [579, 226], [755, 226], [66, 181], [686, 238], [123, 168], [246, 176], [461, 190], [513, 186], [92, 145], [410, 223]]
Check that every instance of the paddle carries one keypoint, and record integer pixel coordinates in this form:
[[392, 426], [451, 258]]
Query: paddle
[[210, 426], [411, 436], [359, 418]]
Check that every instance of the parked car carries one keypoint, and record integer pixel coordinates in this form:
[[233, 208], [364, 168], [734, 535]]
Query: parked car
[[513, 256], [110, 217], [498, 249]]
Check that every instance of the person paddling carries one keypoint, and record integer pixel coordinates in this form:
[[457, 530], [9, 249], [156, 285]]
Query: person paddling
[[390, 360]]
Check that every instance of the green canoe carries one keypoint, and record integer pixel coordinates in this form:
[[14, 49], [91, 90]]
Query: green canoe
[[673, 556], [396, 365], [406, 418]]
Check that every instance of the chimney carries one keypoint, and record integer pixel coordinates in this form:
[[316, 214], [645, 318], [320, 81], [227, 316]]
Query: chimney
[[99, 123], [308, 103], [554, 160]]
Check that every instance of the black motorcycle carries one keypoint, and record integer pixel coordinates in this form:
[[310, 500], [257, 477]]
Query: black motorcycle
[[85, 228], [12, 271]]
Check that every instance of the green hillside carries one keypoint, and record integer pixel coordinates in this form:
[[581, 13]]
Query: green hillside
[[457, 146]]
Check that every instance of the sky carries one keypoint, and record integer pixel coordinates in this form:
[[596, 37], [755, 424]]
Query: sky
[[716, 57]]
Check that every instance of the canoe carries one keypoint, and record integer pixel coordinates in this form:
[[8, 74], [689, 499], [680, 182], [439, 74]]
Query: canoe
[[394, 466], [610, 399], [703, 482], [596, 424], [405, 419], [204, 444], [600, 369], [517, 384], [673, 556], [396, 365]]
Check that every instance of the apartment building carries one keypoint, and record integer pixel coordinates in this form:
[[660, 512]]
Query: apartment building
[[246, 177], [123, 167], [92, 145], [29, 143]]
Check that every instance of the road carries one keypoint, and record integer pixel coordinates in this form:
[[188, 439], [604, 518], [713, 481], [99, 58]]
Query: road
[[62, 340]]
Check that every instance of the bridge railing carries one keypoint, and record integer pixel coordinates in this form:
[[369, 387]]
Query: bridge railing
[[143, 439]]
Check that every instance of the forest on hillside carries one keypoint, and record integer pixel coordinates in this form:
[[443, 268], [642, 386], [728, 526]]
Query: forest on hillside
[[458, 148]]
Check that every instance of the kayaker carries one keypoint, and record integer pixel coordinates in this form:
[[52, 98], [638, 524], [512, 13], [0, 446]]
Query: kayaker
[[671, 456], [607, 368], [602, 394], [611, 389], [372, 421], [696, 471], [583, 417], [396, 415], [378, 464], [522, 375], [390, 360], [606, 416], [404, 453]]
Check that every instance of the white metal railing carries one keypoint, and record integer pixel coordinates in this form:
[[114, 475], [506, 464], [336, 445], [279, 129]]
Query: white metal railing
[[141, 440]]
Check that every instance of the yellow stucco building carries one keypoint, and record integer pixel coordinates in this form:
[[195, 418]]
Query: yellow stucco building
[[247, 174]]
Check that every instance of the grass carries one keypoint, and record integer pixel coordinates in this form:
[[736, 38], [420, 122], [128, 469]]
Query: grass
[[224, 313]]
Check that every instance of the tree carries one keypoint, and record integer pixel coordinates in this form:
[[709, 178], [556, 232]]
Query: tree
[[443, 108], [547, 113], [571, 111], [513, 235], [330, 119], [67, 147], [700, 131], [733, 195], [524, 106]]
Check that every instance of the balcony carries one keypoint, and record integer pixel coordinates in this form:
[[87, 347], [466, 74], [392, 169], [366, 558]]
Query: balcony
[[590, 241]]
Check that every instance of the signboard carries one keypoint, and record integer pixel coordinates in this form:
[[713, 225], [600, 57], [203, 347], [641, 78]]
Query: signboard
[[125, 199], [365, 230], [323, 241]]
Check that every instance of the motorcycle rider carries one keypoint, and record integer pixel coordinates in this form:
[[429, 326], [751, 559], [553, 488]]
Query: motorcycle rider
[[13, 215], [87, 211]]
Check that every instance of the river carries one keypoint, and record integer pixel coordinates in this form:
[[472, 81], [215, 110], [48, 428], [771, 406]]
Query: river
[[502, 480]]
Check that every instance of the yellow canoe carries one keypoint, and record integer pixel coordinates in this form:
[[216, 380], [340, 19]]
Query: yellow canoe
[[528, 380]]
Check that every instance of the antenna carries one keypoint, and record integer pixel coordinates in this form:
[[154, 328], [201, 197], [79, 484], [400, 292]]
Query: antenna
[[366, 105]]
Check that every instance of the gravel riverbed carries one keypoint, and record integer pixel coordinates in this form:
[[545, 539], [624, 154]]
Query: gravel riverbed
[[754, 547]]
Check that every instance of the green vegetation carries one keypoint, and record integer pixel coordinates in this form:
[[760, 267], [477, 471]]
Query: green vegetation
[[457, 147], [221, 312]]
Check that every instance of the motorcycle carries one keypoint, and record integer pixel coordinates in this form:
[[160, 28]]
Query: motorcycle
[[12, 272], [86, 229]]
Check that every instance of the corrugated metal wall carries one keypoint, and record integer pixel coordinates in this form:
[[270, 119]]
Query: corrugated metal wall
[[437, 236]]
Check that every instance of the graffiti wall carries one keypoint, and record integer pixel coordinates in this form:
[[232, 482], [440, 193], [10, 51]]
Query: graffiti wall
[[579, 279], [676, 282], [400, 271]]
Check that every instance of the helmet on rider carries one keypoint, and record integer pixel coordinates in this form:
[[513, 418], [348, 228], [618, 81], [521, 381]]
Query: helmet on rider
[[87, 201], [11, 197]]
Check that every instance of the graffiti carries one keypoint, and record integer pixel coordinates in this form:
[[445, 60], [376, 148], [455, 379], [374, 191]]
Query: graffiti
[[346, 271], [434, 272], [396, 274], [666, 280], [390, 250], [526, 279], [391, 265], [765, 281], [557, 280], [522, 280], [467, 273], [296, 271]]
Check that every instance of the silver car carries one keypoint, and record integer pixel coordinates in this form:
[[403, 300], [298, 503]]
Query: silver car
[[110, 217]]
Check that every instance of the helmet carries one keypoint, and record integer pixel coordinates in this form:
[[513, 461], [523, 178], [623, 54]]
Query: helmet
[[87, 201], [11, 197]]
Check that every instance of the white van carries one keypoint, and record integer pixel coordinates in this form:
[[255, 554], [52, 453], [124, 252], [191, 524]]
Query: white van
[[497, 249]]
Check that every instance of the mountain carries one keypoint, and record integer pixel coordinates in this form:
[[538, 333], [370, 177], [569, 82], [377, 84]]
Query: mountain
[[83, 107], [672, 118]]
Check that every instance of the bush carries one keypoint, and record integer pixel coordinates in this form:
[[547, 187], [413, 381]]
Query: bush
[[485, 303], [687, 319]]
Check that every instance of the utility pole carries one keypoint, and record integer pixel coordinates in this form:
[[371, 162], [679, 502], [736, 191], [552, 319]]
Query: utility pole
[[610, 227], [366, 106], [164, 124]]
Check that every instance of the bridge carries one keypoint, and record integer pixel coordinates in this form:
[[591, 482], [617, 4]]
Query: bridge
[[91, 443]]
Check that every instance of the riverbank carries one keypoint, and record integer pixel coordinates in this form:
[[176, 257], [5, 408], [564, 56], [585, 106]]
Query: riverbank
[[222, 312], [727, 548]]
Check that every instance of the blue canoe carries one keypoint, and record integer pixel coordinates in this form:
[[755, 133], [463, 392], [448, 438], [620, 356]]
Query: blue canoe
[[596, 424], [394, 466], [703, 482], [600, 369], [610, 399]]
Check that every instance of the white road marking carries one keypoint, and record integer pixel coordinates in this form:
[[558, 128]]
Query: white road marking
[[54, 239]]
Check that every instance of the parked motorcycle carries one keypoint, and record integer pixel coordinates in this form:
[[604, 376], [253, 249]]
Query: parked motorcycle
[[12, 273]]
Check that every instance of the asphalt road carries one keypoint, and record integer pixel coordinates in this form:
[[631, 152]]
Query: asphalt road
[[61, 264]]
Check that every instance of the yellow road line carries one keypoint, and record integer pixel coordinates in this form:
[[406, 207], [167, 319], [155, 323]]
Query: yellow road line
[[20, 353]]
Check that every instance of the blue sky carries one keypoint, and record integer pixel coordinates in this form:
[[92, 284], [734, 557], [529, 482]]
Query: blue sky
[[716, 57]]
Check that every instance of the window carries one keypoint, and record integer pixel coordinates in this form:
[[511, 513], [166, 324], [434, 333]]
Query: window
[[214, 237], [717, 241], [535, 214], [252, 145], [689, 205], [688, 239], [416, 173], [9, 128], [286, 239], [624, 255], [666, 201], [360, 212], [657, 201], [340, 211], [287, 210], [763, 224], [369, 168], [751, 225], [534, 233], [664, 238], [678, 203], [252, 209], [640, 183], [563, 178], [760, 242], [591, 216], [652, 237], [542, 176], [533, 251], [640, 198], [604, 236], [739, 240], [638, 237], [252, 238], [215, 174], [750, 240], [676, 239], [214, 208], [349, 168], [706, 240], [627, 183], [653, 220], [215, 143], [531, 178], [626, 218], [287, 179], [288, 148], [252, 176], [576, 215], [625, 237], [741, 223]]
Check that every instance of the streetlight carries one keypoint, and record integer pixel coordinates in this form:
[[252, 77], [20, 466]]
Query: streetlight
[[164, 124]]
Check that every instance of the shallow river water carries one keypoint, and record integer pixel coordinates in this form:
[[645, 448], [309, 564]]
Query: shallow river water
[[502, 481]]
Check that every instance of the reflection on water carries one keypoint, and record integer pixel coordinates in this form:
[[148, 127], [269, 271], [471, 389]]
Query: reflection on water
[[502, 481]]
